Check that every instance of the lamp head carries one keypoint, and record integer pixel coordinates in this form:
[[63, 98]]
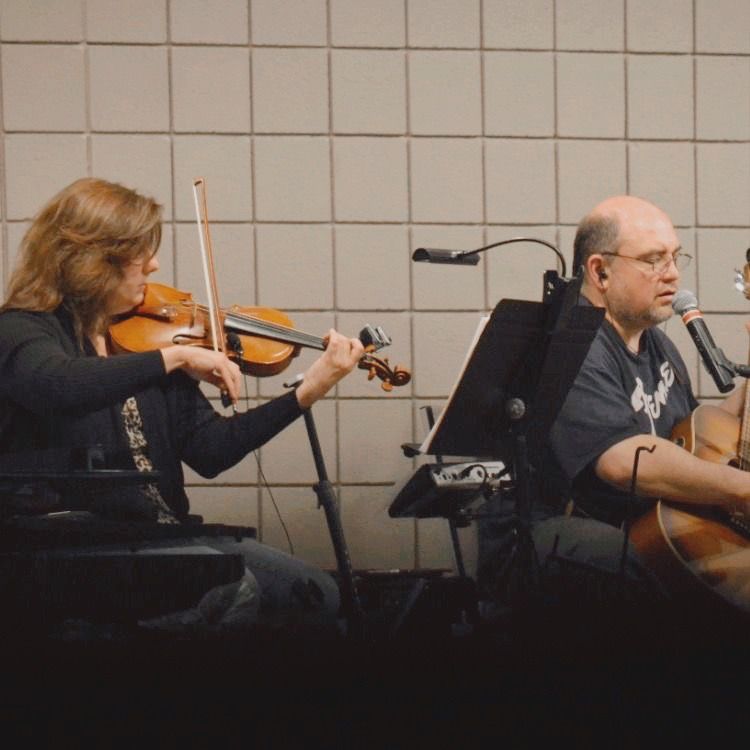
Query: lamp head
[[453, 257]]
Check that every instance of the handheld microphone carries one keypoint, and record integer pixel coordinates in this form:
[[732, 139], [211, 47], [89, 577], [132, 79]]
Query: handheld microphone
[[718, 366]]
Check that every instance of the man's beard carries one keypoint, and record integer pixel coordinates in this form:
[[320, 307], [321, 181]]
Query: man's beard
[[653, 316]]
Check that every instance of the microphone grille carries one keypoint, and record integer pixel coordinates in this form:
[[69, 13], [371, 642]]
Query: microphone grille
[[684, 300]]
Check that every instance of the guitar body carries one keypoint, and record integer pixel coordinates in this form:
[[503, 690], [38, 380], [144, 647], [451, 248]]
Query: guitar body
[[694, 551], [710, 433]]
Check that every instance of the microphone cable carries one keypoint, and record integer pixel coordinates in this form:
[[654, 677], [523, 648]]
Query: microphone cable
[[275, 505], [264, 482]]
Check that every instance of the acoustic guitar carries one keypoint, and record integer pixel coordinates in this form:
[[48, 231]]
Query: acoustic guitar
[[703, 552]]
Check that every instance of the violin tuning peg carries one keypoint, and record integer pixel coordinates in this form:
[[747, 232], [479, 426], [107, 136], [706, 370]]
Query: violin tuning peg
[[374, 338], [383, 338]]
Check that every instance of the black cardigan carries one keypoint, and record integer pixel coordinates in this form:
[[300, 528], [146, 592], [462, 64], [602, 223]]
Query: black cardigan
[[59, 398]]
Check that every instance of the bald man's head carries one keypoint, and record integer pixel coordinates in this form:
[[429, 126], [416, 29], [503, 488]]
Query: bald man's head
[[603, 229]]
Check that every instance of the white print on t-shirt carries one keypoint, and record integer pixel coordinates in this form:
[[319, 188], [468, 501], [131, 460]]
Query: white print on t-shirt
[[652, 403]]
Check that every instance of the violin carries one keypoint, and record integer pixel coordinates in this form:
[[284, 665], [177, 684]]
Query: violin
[[262, 341]]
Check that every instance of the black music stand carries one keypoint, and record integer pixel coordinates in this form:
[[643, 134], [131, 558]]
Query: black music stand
[[510, 392]]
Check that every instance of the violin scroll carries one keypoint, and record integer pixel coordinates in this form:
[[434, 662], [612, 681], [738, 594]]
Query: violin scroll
[[379, 367], [374, 338]]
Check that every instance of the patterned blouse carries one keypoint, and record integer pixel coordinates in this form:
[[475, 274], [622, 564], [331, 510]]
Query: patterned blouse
[[139, 448]]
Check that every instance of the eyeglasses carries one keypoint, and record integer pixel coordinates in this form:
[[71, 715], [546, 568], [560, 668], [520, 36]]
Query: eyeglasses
[[660, 265]]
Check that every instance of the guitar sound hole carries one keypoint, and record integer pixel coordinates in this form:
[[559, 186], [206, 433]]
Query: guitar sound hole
[[680, 441]]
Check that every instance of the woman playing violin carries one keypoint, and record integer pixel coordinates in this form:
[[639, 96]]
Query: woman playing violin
[[84, 260]]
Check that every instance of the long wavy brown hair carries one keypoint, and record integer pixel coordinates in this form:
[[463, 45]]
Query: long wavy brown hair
[[76, 248]]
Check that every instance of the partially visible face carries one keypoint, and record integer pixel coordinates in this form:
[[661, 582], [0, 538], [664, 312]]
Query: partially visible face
[[638, 297], [132, 287]]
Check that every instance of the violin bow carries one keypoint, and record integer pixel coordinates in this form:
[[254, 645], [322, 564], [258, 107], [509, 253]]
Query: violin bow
[[373, 338], [209, 274]]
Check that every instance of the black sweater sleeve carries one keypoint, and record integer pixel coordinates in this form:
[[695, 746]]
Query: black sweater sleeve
[[44, 373], [41, 371], [209, 442]]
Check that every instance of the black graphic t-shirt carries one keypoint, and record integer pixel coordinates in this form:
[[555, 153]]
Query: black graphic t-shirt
[[618, 394]]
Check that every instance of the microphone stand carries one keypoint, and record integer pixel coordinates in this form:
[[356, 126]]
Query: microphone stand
[[731, 368], [452, 518]]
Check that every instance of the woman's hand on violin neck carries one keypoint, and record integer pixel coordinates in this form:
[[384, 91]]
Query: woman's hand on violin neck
[[205, 364], [339, 358]]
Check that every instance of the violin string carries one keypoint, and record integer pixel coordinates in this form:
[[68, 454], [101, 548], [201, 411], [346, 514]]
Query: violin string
[[283, 332]]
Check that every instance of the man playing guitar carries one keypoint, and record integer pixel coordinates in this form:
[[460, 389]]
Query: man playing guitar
[[630, 393]]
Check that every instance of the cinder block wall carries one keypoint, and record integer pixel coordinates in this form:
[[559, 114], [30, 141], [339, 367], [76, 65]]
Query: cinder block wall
[[336, 136]]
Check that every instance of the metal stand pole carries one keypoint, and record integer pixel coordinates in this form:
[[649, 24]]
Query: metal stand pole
[[452, 523], [326, 499], [460, 567]]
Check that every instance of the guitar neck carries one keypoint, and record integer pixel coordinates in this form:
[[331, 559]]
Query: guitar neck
[[743, 449]]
